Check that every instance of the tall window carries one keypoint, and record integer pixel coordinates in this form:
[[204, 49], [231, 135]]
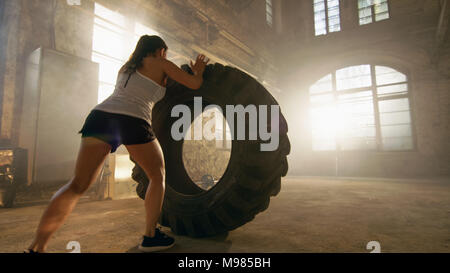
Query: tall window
[[326, 16], [364, 107], [269, 12], [372, 11], [115, 37]]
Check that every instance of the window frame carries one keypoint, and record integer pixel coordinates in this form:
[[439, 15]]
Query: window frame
[[126, 30], [327, 25], [372, 13], [130, 36], [269, 3], [375, 101]]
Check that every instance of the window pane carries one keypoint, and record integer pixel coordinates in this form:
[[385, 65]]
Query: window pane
[[334, 24], [109, 15], [397, 143], [365, 20], [269, 12], [357, 125], [324, 124], [319, 2], [108, 42], [353, 77], [395, 122], [333, 3], [382, 16], [387, 75], [320, 28], [370, 8], [365, 14], [400, 117], [391, 131], [110, 45], [364, 3], [109, 26], [321, 99], [319, 17], [381, 10], [347, 119], [393, 105], [391, 90], [322, 85], [333, 11], [108, 68], [319, 8], [320, 20]]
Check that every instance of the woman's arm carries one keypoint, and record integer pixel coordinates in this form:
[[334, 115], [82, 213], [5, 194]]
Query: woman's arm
[[186, 79]]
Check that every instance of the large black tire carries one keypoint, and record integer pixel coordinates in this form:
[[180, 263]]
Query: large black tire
[[251, 178]]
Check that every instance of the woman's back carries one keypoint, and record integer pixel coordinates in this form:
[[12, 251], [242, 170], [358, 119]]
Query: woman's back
[[153, 68], [135, 94]]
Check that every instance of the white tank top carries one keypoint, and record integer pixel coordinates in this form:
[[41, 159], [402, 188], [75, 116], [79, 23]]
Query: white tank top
[[135, 98]]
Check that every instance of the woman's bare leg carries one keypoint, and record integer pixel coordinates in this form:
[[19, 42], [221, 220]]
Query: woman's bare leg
[[90, 159], [150, 157]]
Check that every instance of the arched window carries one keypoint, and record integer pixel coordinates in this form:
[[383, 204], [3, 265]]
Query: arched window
[[363, 107]]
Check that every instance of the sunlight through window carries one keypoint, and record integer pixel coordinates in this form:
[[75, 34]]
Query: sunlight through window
[[351, 111], [114, 39], [372, 11], [269, 12], [326, 16]]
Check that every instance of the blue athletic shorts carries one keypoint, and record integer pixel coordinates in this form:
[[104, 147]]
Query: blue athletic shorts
[[117, 129]]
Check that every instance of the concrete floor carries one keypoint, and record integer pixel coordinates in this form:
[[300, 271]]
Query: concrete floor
[[309, 215]]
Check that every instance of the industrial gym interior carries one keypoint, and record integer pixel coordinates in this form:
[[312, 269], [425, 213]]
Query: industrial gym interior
[[364, 86]]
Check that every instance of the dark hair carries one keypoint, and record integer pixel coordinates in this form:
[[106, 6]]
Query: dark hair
[[145, 46]]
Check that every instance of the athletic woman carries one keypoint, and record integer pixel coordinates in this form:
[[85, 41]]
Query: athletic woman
[[125, 117]]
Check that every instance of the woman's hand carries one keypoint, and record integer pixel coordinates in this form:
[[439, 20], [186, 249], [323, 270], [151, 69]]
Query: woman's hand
[[177, 74], [199, 67]]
